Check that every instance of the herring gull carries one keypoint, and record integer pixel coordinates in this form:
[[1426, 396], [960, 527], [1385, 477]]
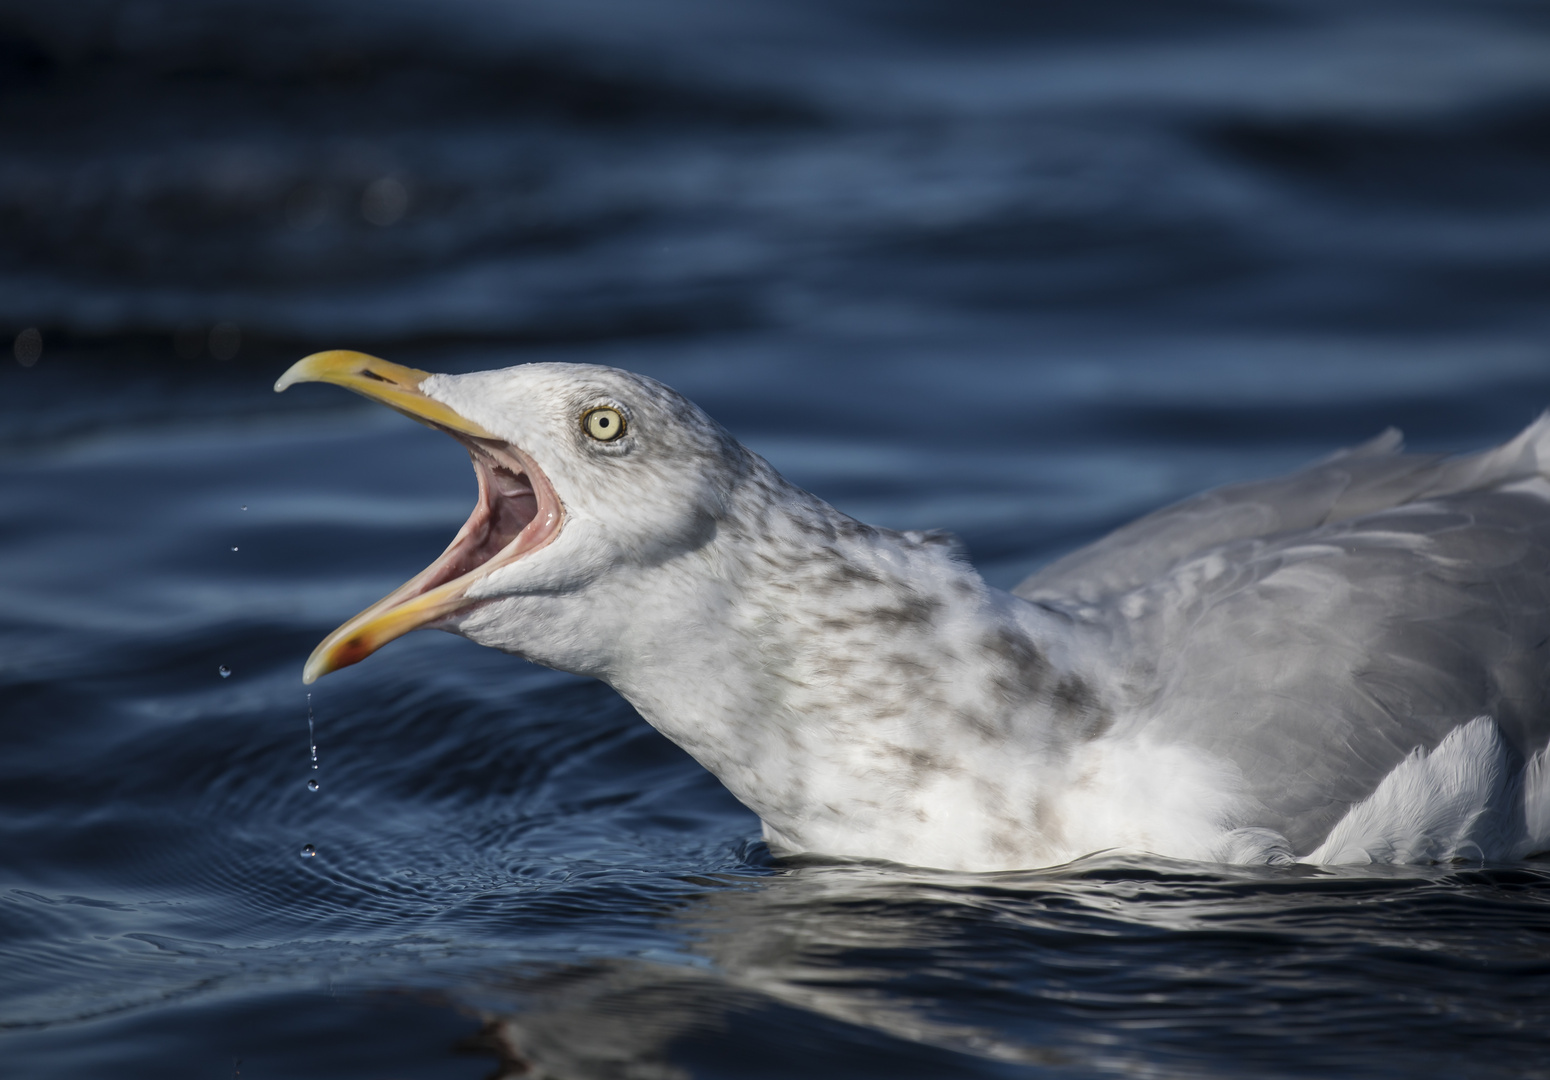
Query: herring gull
[[1349, 664]]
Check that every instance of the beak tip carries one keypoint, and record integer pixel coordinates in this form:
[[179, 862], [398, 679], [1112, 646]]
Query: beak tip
[[318, 665], [320, 366]]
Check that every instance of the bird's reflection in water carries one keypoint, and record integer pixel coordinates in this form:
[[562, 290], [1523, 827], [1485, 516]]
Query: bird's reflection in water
[[1111, 963], [863, 948]]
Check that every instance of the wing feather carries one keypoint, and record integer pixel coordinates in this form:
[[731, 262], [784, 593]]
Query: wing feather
[[1316, 629], [1361, 480]]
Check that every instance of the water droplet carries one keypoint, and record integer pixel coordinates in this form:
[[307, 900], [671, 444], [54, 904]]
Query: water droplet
[[384, 201], [312, 785], [225, 671], [308, 851], [234, 547], [28, 346], [244, 506], [312, 739]]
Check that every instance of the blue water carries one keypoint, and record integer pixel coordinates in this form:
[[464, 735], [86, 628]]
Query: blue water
[[1019, 271]]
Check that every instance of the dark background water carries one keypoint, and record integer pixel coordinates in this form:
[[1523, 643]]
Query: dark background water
[[1018, 270]]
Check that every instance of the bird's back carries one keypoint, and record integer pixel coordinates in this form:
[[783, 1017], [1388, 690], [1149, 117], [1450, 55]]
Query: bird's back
[[1316, 630]]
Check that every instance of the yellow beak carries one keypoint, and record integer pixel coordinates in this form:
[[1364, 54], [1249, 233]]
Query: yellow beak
[[406, 608], [394, 385]]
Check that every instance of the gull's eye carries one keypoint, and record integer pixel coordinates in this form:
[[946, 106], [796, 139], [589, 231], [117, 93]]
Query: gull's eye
[[603, 424]]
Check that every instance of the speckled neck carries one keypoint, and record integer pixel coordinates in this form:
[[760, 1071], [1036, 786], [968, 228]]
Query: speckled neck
[[844, 681]]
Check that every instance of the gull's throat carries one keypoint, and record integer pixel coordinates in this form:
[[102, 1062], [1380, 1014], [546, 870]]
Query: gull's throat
[[517, 513], [507, 505]]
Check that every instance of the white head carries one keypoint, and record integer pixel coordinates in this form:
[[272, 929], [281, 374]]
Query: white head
[[589, 478]]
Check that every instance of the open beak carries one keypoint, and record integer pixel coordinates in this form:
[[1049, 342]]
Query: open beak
[[517, 512]]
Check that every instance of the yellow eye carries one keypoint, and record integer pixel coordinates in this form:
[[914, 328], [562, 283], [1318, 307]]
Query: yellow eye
[[603, 424]]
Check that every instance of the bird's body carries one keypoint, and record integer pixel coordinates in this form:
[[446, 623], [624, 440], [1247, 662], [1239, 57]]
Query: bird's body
[[1349, 664]]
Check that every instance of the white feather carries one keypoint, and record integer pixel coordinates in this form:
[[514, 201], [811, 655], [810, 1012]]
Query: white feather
[[1433, 807], [1536, 806]]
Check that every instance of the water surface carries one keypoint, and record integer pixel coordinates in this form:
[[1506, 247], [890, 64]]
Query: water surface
[[1022, 272]]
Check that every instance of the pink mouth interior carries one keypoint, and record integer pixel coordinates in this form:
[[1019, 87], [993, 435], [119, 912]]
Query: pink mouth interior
[[508, 505]]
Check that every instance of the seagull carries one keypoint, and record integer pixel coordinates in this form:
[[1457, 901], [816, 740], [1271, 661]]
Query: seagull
[[1346, 665]]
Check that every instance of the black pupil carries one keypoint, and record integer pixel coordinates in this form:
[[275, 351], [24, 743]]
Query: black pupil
[[602, 421]]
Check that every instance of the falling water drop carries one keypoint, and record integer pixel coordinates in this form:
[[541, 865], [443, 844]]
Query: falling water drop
[[312, 738], [309, 851], [225, 671], [234, 547], [244, 506]]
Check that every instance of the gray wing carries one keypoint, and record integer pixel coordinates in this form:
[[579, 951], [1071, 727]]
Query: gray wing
[[1361, 480], [1314, 630]]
